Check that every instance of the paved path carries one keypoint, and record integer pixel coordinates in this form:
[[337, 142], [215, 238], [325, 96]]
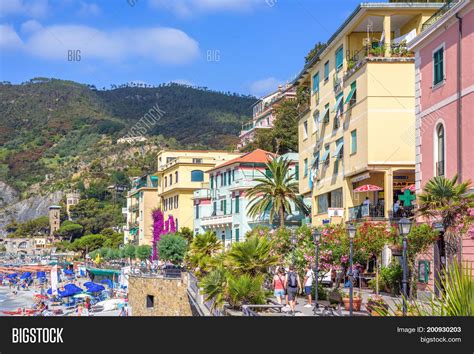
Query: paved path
[[366, 293]]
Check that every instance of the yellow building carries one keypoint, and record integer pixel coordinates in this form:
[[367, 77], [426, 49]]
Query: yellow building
[[180, 173], [359, 126], [142, 199]]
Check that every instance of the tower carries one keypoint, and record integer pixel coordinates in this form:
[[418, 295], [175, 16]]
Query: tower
[[54, 218], [72, 199]]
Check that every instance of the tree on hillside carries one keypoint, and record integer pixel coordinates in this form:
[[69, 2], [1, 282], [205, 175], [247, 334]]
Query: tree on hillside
[[70, 230], [88, 243]]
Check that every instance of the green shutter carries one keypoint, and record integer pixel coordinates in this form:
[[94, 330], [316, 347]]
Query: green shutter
[[237, 204], [316, 82], [237, 235], [212, 182], [353, 141], [305, 167], [438, 62], [339, 58], [326, 71], [225, 207], [297, 171]]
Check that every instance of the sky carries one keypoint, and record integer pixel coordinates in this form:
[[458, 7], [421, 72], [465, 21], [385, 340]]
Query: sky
[[243, 46]]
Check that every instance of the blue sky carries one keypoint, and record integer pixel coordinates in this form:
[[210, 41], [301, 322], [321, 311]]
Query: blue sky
[[245, 46]]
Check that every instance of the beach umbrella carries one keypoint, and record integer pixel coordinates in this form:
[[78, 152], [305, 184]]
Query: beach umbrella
[[73, 288], [107, 281], [95, 288], [11, 276], [368, 188], [88, 283], [68, 272], [40, 275], [25, 275]]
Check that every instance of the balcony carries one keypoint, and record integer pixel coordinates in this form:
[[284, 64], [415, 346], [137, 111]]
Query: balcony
[[202, 194], [397, 53], [438, 14], [216, 220], [243, 183]]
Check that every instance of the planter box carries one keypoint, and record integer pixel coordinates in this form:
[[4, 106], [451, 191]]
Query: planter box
[[356, 303]]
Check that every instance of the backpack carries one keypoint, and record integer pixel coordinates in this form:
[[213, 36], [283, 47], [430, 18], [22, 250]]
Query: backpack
[[292, 280]]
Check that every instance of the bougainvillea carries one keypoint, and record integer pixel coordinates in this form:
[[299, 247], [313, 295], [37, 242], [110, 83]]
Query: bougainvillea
[[160, 228]]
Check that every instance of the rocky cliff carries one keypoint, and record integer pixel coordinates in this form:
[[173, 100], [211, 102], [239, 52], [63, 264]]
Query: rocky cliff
[[12, 208]]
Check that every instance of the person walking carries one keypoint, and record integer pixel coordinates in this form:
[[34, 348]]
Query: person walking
[[279, 284], [308, 284], [293, 287]]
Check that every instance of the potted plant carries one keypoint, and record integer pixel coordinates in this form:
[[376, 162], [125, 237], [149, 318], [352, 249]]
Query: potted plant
[[335, 296], [356, 302], [376, 305]]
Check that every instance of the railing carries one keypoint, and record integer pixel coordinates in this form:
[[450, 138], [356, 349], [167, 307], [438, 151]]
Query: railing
[[248, 310], [404, 212], [366, 211], [436, 16]]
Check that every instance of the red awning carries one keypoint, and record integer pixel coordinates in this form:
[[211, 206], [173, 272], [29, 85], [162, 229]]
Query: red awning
[[411, 188]]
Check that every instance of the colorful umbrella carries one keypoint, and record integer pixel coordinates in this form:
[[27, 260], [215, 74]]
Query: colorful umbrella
[[411, 188], [368, 188]]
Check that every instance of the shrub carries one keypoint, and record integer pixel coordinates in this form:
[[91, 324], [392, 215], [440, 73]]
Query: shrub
[[172, 248]]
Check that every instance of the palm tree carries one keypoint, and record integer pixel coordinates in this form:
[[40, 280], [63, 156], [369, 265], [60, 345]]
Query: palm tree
[[448, 201], [252, 256], [203, 247], [274, 192]]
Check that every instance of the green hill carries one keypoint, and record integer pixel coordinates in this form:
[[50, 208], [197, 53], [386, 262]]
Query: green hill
[[52, 130]]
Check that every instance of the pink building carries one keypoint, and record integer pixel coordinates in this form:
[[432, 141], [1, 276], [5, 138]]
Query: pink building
[[445, 104], [264, 114]]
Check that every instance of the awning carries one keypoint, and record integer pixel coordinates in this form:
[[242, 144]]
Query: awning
[[338, 149], [325, 156], [338, 102], [351, 93], [325, 113], [104, 272]]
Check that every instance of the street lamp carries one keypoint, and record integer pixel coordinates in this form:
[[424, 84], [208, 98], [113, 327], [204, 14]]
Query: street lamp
[[316, 238], [404, 227], [293, 243], [351, 230]]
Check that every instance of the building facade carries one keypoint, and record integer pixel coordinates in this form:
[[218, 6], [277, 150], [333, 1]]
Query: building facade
[[359, 126], [180, 173], [264, 114], [72, 198], [223, 206], [445, 109], [142, 199], [54, 219]]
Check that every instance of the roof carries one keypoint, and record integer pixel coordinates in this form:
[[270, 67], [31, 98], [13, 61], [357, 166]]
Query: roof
[[362, 7], [256, 156]]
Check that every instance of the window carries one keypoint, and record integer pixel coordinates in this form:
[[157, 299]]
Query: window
[[306, 167], [229, 175], [305, 129], [322, 203], [197, 211], [353, 141], [176, 201], [176, 223], [326, 71], [150, 301], [212, 182], [222, 180], [237, 235], [195, 160], [233, 175], [197, 176], [214, 208], [237, 204], [224, 209], [297, 171], [339, 58], [440, 150], [316, 82], [315, 121], [176, 177], [171, 180], [335, 198], [338, 109], [166, 181], [438, 66]]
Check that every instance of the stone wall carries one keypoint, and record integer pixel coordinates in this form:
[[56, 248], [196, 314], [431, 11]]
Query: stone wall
[[169, 296]]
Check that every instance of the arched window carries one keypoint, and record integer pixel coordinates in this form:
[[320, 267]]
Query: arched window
[[197, 176], [440, 146]]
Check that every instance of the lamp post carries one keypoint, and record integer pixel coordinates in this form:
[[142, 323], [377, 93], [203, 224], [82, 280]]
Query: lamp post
[[351, 230], [404, 227], [293, 243], [316, 238]]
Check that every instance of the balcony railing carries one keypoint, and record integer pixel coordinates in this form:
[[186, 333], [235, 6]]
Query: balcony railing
[[366, 211], [404, 212], [437, 15]]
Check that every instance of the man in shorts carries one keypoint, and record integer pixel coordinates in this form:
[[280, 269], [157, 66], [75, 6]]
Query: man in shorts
[[308, 284]]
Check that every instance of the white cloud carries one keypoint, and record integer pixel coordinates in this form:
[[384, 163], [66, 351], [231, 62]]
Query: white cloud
[[30, 8], [160, 44], [30, 26], [87, 9], [9, 39], [185, 8], [265, 86]]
